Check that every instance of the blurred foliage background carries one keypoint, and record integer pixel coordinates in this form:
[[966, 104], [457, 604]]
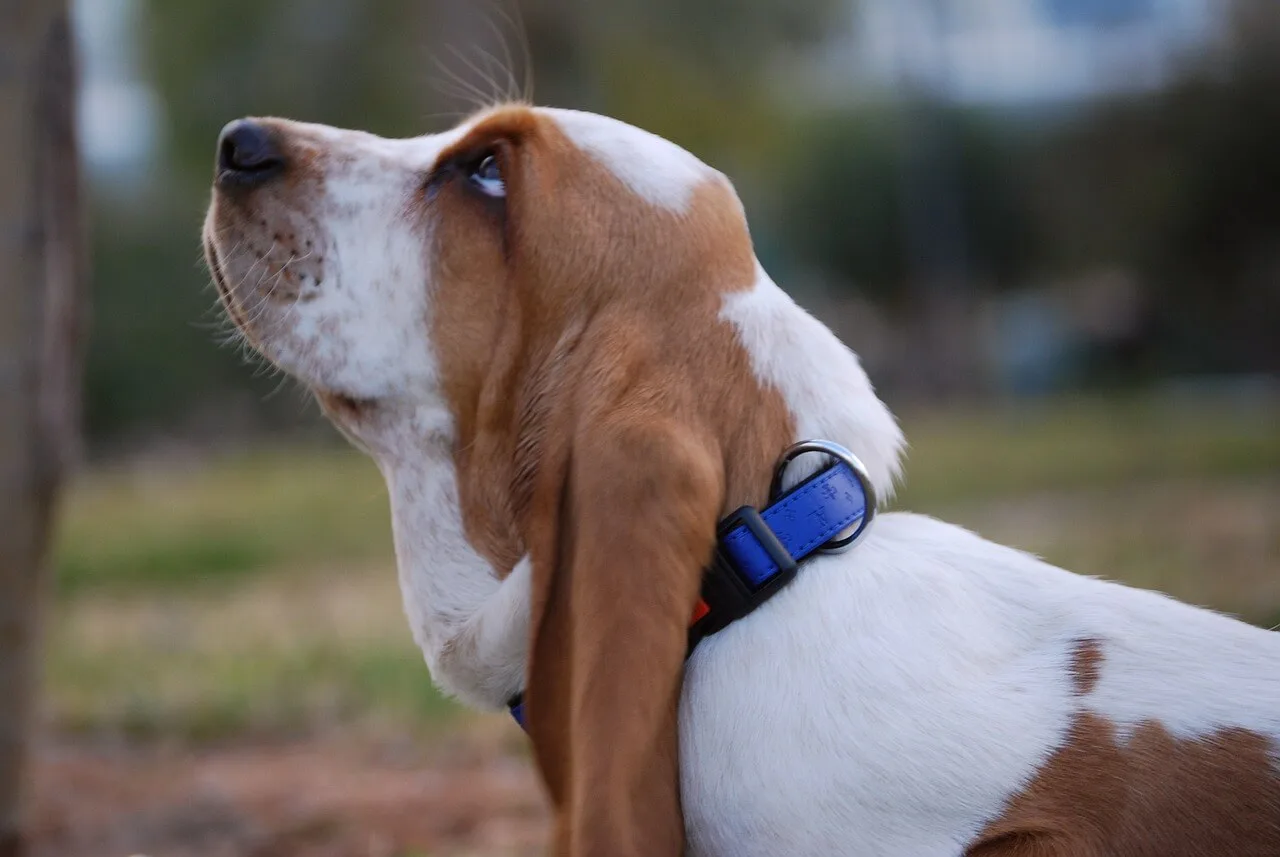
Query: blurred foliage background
[[1051, 229]]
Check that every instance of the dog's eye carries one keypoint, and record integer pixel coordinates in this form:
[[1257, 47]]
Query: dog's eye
[[488, 178]]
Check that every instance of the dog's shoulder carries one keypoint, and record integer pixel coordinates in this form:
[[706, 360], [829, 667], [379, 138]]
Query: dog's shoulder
[[1126, 643]]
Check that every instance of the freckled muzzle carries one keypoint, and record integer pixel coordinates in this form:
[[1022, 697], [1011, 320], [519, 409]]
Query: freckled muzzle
[[263, 248]]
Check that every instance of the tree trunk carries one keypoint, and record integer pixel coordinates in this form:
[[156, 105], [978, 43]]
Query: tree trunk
[[41, 299]]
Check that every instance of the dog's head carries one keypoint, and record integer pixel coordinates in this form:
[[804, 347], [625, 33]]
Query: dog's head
[[556, 285], [378, 270]]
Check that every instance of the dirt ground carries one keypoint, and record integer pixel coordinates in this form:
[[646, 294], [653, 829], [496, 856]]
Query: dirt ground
[[313, 799]]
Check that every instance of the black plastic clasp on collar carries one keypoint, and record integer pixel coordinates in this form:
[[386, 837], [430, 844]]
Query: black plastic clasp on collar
[[727, 592]]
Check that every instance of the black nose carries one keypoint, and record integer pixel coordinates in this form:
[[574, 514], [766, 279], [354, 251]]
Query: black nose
[[247, 153]]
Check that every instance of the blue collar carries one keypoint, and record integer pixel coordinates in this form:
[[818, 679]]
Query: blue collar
[[759, 551]]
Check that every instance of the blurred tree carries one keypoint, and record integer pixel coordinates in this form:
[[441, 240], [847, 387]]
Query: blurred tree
[[701, 72], [40, 309], [845, 194], [1184, 189], [711, 75], [352, 63]]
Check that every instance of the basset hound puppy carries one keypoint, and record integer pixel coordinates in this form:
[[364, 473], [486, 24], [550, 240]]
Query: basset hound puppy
[[550, 331]]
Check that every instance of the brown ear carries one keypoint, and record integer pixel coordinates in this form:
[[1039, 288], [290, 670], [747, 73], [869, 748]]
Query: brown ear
[[613, 593]]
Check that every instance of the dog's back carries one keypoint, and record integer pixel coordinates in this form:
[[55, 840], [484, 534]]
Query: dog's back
[[933, 693]]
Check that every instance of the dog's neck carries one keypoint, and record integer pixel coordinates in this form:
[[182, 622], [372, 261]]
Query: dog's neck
[[822, 381], [470, 622], [466, 581]]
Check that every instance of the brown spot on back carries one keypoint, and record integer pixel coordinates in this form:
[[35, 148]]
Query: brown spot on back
[[1086, 666], [1152, 795]]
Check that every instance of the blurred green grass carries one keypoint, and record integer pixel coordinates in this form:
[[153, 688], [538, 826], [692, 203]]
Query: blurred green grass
[[255, 595], [213, 522], [964, 456]]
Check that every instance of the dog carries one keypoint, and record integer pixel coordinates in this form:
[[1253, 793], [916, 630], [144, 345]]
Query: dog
[[550, 331]]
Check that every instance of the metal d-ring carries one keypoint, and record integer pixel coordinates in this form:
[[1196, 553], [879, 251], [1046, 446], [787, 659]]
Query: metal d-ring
[[838, 452]]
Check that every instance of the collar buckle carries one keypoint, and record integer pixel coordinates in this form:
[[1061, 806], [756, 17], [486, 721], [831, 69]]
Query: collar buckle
[[841, 456], [728, 594]]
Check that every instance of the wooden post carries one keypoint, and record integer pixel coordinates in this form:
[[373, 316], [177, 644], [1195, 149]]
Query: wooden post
[[41, 310]]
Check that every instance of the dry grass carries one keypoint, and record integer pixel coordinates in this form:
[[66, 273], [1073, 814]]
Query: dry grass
[[286, 654]]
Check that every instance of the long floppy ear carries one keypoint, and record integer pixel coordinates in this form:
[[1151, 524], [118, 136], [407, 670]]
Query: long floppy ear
[[612, 599]]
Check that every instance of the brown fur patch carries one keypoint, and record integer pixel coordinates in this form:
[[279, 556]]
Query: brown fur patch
[[607, 418], [1086, 666], [1152, 795], [576, 250]]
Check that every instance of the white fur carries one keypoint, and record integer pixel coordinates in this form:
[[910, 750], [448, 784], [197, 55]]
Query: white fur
[[892, 699], [820, 379], [652, 167], [472, 627]]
